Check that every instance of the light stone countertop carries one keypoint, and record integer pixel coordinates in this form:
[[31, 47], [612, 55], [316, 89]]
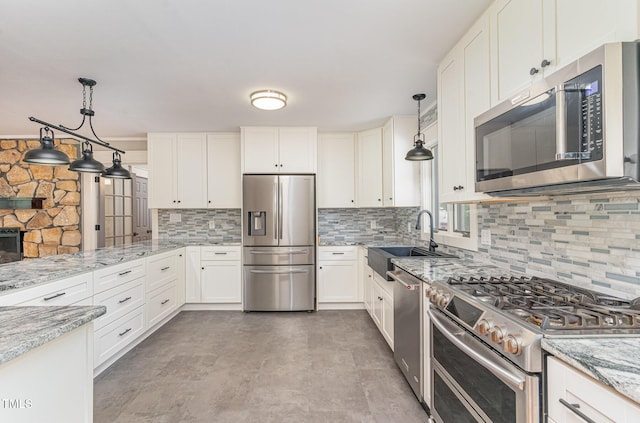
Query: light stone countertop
[[23, 329], [21, 274], [441, 269], [612, 361]]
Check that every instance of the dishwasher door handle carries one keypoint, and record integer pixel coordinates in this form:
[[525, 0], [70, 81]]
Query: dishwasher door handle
[[408, 286]]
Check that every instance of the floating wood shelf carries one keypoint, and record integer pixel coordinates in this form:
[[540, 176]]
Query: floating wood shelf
[[21, 203]]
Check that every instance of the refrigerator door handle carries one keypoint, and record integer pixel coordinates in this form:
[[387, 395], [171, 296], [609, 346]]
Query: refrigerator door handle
[[280, 209], [279, 252], [278, 272]]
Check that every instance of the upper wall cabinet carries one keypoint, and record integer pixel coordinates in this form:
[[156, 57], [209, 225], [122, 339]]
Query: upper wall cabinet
[[336, 170], [400, 177], [463, 93], [177, 170], [532, 38], [369, 166], [223, 171], [279, 150]]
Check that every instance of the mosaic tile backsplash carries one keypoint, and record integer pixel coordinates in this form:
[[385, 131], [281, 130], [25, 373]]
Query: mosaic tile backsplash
[[355, 225], [195, 224]]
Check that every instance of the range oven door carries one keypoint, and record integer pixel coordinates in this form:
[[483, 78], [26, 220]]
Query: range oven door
[[472, 383]]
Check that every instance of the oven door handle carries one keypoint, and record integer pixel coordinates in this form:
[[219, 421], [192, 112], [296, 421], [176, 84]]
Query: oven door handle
[[490, 363]]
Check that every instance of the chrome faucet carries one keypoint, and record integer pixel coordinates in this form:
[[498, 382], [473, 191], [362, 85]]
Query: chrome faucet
[[432, 243]]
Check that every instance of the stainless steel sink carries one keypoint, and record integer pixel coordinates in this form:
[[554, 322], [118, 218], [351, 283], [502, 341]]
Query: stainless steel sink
[[380, 257]]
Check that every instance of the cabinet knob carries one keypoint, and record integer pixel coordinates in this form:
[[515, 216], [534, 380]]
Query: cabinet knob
[[455, 188], [178, 201], [460, 187], [280, 164], [174, 201], [544, 63], [380, 298], [390, 198], [320, 267], [202, 268], [379, 199], [533, 71], [276, 164], [209, 201], [352, 201]]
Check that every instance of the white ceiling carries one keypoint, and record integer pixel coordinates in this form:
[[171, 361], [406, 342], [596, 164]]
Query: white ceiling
[[190, 65]]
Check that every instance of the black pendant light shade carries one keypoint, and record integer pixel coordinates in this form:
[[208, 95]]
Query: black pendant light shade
[[116, 171], [46, 154], [419, 152], [87, 163]]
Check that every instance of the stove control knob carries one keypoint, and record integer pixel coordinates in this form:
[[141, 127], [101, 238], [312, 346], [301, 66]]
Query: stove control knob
[[434, 296], [484, 326], [513, 345], [429, 292], [443, 300], [497, 334]]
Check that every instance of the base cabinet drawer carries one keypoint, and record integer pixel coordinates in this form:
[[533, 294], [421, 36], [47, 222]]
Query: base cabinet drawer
[[119, 301], [161, 269], [116, 275], [115, 336], [73, 290], [161, 303], [221, 253]]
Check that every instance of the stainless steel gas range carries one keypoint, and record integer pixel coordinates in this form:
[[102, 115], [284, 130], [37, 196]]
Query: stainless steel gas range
[[486, 355]]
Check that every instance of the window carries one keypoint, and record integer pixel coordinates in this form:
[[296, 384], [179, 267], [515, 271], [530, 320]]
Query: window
[[454, 224]]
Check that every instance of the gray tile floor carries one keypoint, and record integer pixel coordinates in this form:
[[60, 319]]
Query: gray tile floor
[[219, 366]]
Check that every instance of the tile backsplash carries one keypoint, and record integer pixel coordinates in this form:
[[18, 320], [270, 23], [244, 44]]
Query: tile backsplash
[[195, 224], [364, 225]]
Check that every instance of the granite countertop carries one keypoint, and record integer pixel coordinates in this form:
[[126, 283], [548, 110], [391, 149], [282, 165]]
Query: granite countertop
[[430, 269], [612, 361], [364, 242], [21, 274], [23, 329]]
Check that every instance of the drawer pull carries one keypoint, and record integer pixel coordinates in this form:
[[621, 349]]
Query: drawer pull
[[124, 300], [124, 273], [337, 254], [164, 302], [574, 410], [125, 332], [165, 268], [59, 294], [220, 254]]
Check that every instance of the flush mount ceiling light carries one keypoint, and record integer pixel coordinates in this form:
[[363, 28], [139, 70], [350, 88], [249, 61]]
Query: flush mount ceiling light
[[46, 154], [268, 100], [418, 152]]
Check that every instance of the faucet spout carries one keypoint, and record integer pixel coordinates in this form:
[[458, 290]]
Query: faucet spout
[[432, 243]]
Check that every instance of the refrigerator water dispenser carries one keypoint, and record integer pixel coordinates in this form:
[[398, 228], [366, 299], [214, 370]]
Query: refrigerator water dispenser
[[258, 225]]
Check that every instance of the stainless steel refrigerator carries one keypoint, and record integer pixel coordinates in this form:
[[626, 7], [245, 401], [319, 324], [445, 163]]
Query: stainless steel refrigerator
[[279, 242]]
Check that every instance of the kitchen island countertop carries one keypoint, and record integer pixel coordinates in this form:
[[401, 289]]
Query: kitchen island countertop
[[23, 329], [430, 269], [612, 361]]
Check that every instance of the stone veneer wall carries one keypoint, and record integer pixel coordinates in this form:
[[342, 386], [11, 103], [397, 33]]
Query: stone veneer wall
[[54, 229], [195, 224]]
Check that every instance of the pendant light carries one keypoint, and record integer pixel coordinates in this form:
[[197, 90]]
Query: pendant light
[[87, 163], [418, 152], [116, 171], [46, 154]]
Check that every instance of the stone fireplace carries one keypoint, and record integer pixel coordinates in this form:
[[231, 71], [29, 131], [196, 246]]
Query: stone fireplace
[[54, 229]]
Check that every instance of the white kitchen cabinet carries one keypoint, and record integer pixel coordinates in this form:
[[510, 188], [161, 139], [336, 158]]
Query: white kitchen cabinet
[[221, 282], [177, 170], [192, 275], [114, 337], [223, 171], [369, 168], [400, 177], [366, 278], [383, 307], [161, 303], [338, 280], [279, 150], [161, 269], [336, 171], [463, 93], [75, 290], [119, 301], [590, 397]]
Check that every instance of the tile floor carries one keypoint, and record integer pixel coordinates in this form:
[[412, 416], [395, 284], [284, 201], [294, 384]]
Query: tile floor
[[219, 366]]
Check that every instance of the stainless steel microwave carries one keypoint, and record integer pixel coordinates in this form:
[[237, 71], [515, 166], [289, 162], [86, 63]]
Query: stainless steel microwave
[[575, 131]]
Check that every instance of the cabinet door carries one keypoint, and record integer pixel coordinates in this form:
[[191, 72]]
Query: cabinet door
[[221, 282], [162, 172], [400, 177], [517, 45], [451, 141], [583, 25], [387, 318], [376, 305], [223, 172], [182, 273], [388, 194], [369, 182], [368, 289], [336, 170], [338, 282], [260, 150], [297, 150], [192, 275], [191, 167]]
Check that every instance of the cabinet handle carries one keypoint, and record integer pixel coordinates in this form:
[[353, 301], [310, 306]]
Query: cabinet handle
[[379, 199], [178, 201], [209, 201], [460, 187], [276, 164], [544, 63], [203, 268], [352, 201], [124, 273], [380, 298], [320, 267], [533, 71], [59, 294], [165, 268], [337, 254], [179, 255], [125, 332], [455, 188], [574, 409], [164, 302], [280, 164], [124, 300], [220, 254], [174, 201]]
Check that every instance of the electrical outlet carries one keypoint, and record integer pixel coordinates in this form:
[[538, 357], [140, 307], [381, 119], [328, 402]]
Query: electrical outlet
[[212, 224], [373, 224], [408, 226], [175, 218], [485, 237]]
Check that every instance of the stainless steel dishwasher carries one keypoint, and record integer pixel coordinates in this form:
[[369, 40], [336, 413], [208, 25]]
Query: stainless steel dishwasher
[[407, 328]]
